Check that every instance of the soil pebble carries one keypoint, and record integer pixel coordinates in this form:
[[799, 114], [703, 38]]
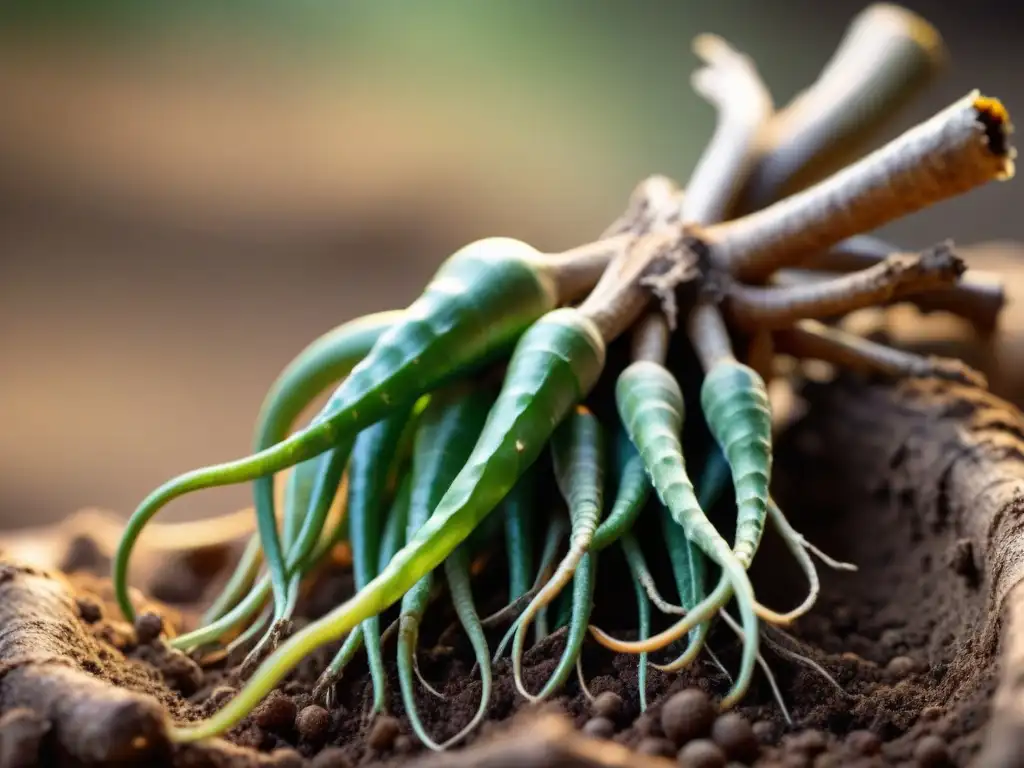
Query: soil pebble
[[648, 725], [599, 728], [89, 609], [83, 554], [275, 713], [900, 667], [332, 757], [732, 732], [766, 732], [148, 627], [403, 744], [658, 747], [809, 742], [702, 753], [687, 715], [383, 733], [608, 705], [931, 752], [21, 735], [312, 723], [863, 743]]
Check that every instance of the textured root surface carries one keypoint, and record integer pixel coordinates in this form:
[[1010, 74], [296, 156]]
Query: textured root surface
[[921, 485]]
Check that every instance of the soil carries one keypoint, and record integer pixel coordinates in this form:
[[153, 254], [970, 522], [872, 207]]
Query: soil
[[921, 485]]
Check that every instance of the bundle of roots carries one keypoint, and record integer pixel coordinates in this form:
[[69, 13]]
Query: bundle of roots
[[537, 397]]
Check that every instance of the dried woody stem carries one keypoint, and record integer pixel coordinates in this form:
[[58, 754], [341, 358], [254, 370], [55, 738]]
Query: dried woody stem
[[731, 83], [962, 147], [887, 56], [810, 339], [900, 274], [657, 260], [978, 296]]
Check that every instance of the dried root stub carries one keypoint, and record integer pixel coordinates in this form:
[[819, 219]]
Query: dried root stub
[[53, 672], [524, 341]]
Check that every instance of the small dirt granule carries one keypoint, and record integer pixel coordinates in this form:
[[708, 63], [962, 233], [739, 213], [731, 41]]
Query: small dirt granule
[[766, 732], [312, 723], [648, 725], [702, 753], [932, 752], [89, 609], [809, 742], [84, 554], [863, 743], [658, 747], [21, 734], [828, 760], [599, 728], [275, 713], [732, 732], [252, 737], [900, 667], [403, 744], [332, 757], [284, 757], [687, 715], [609, 705], [148, 627], [383, 733], [180, 672], [930, 714]]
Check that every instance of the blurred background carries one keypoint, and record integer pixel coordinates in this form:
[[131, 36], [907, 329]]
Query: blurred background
[[191, 192]]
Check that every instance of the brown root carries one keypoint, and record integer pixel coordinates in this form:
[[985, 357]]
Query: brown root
[[50, 666]]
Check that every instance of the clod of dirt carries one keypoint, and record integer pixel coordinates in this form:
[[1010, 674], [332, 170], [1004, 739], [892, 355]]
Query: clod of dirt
[[932, 752], [383, 732], [656, 746], [84, 554], [702, 753], [89, 609], [766, 731], [863, 743], [648, 725], [900, 667], [732, 732], [21, 737], [809, 742], [687, 715], [148, 627], [608, 705], [599, 728], [275, 713], [313, 723]]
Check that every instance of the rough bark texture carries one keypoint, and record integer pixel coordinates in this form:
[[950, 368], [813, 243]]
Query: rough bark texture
[[52, 668], [947, 462]]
